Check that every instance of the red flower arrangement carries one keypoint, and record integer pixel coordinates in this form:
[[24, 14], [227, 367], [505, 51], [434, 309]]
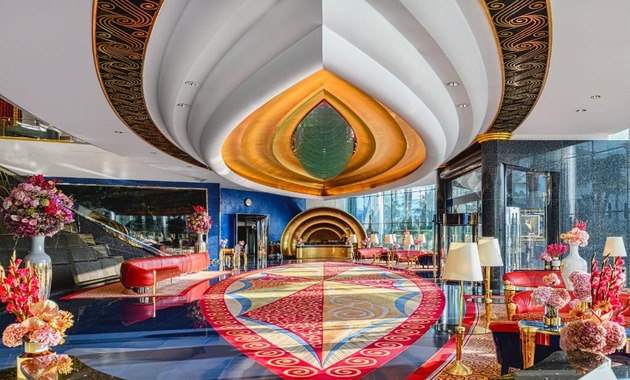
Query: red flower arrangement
[[37, 321], [36, 207], [199, 222], [598, 329]]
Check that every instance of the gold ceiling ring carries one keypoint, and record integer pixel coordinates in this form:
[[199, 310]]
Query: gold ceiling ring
[[260, 147]]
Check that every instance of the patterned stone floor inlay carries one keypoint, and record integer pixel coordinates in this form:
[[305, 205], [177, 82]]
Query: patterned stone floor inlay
[[323, 320]]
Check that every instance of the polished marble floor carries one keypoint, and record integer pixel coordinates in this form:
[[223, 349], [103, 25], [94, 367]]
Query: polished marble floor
[[178, 343]]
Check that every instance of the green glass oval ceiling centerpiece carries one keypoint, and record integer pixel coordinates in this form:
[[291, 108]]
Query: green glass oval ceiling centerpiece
[[323, 142]]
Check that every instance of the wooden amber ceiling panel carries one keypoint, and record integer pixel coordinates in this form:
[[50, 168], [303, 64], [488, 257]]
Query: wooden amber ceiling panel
[[260, 148]]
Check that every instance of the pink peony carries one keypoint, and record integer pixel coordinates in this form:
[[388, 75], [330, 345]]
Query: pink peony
[[615, 337], [545, 257], [584, 335], [581, 285], [551, 279], [13, 335]]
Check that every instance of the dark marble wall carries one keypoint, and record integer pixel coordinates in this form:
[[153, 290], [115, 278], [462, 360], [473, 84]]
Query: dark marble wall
[[591, 179]]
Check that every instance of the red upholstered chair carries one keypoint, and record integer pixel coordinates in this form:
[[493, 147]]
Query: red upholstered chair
[[524, 279], [507, 341], [370, 253]]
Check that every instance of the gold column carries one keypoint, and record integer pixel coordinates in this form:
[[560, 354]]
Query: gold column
[[528, 345]]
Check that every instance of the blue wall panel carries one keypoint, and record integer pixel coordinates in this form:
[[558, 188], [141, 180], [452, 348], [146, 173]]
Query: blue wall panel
[[280, 209]]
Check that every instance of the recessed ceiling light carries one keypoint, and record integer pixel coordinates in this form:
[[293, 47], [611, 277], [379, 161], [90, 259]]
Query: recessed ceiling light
[[453, 84], [580, 110], [192, 83], [595, 96], [153, 152], [183, 105], [462, 105], [118, 131]]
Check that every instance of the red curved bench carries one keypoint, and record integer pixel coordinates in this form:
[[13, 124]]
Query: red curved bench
[[147, 272]]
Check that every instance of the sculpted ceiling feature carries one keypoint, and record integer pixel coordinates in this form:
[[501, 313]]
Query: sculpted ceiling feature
[[387, 148], [523, 31], [121, 32], [193, 77]]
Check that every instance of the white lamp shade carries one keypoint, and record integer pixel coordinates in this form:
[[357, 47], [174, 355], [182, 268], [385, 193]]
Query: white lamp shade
[[615, 247], [421, 237], [489, 252], [353, 239], [390, 239], [462, 263], [374, 239]]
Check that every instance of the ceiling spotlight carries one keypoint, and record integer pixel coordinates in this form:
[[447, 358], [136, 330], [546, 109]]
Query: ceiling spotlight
[[118, 132], [153, 152], [595, 96], [183, 105], [580, 110], [462, 105], [453, 84], [192, 83]]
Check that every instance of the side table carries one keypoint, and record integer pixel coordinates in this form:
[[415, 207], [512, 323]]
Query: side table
[[531, 332]]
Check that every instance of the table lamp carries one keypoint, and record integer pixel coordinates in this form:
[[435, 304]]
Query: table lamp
[[462, 264], [374, 240], [420, 238], [407, 240], [390, 239], [352, 240], [489, 256], [615, 247]]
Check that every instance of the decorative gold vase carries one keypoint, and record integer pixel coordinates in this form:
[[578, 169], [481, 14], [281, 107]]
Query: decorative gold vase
[[551, 318], [31, 350]]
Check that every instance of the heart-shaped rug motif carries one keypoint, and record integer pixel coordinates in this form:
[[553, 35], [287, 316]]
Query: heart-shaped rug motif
[[324, 320]]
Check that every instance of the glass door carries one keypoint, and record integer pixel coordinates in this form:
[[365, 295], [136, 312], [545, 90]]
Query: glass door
[[528, 209]]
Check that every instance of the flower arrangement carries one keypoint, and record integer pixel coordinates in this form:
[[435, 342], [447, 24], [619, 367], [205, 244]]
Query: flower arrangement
[[551, 280], [48, 366], [395, 246], [365, 242], [554, 297], [577, 236], [37, 321], [597, 329], [199, 222], [223, 243], [36, 207], [298, 240]]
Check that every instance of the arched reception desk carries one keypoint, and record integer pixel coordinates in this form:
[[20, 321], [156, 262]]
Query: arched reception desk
[[321, 233]]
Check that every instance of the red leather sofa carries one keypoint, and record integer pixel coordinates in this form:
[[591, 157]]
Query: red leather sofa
[[525, 279], [147, 272], [370, 253], [522, 308]]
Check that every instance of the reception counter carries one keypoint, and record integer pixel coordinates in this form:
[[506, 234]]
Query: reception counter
[[324, 252]]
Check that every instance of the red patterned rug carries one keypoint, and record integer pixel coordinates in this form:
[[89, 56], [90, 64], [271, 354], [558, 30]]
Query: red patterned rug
[[325, 320]]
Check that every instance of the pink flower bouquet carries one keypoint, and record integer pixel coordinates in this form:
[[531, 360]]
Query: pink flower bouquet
[[199, 222], [36, 207], [555, 297], [577, 236]]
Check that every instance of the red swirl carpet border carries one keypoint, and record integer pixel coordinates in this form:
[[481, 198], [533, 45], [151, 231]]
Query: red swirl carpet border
[[323, 320]]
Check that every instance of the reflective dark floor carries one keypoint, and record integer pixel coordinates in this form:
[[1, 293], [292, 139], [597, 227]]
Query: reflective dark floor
[[123, 338]]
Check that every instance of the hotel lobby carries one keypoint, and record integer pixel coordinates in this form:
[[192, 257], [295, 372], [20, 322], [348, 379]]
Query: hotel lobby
[[320, 189]]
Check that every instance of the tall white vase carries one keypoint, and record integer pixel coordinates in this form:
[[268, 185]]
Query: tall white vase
[[42, 264], [200, 245], [572, 263]]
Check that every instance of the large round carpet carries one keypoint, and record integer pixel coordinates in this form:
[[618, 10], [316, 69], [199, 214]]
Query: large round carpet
[[323, 320]]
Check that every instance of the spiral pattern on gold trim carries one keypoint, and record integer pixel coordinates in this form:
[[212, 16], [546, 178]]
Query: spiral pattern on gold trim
[[523, 32], [121, 31], [307, 222], [259, 148]]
